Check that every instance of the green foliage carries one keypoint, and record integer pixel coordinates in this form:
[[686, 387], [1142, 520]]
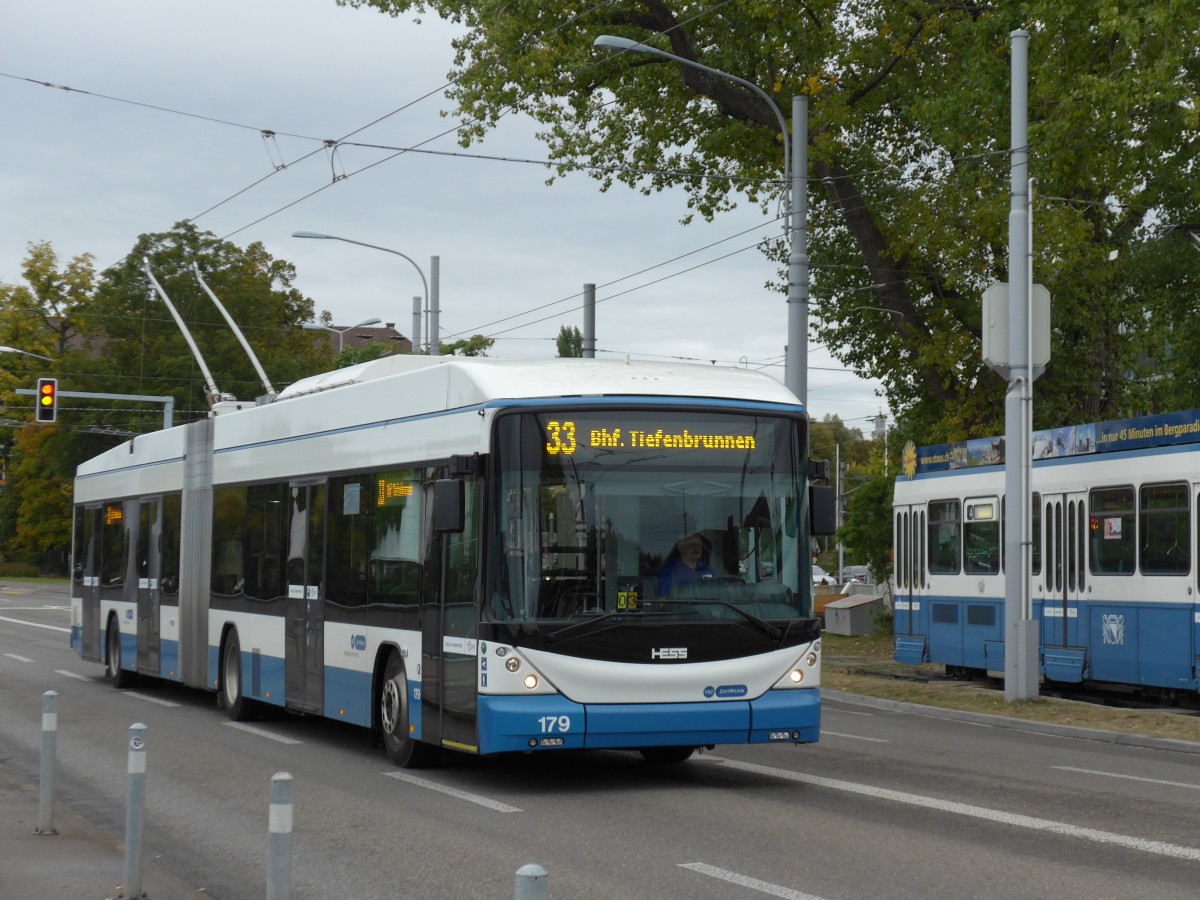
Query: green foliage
[[476, 345], [111, 334], [909, 166], [569, 342], [867, 534], [352, 356]]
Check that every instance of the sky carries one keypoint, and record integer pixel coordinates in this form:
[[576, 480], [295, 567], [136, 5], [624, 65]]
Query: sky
[[164, 121]]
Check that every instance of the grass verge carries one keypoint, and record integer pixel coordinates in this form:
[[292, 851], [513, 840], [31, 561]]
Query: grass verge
[[863, 664]]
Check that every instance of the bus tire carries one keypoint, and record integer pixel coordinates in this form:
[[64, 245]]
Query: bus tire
[[237, 706], [393, 720], [121, 678], [666, 754]]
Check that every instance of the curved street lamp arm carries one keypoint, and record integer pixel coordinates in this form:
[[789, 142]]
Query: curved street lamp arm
[[612, 42]]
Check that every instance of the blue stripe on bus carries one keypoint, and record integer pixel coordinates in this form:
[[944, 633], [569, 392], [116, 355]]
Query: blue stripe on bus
[[77, 639], [348, 695], [525, 723]]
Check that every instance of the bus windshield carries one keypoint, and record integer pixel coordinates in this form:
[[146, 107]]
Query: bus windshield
[[647, 513]]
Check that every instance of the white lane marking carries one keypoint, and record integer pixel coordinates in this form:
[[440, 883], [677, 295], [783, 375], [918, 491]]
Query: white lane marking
[[1182, 784], [36, 624], [454, 792], [35, 608], [150, 699], [262, 732], [72, 675], [854, 737], [976, 812], [763, 887], [18, 658]]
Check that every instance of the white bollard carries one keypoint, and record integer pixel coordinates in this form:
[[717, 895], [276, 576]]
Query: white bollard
[[135, 806], [279, 837], [533, 883], [49, 743]]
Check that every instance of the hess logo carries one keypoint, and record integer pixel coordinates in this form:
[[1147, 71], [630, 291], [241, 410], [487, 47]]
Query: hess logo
[[669, 653]]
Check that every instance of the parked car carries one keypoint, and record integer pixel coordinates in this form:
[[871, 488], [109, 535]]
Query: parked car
[[857, 575], [820, 576]]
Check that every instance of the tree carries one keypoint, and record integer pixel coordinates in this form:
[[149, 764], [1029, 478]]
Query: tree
[[909, 174], [105, 334], [144, 352], [476, 345], [867, 533], [569, 342]]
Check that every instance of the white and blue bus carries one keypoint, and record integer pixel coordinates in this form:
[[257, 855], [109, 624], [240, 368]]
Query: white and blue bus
[[1115, 584], [465, 553]]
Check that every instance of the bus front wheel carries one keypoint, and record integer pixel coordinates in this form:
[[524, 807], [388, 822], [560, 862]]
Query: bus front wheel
[[121, 678], [393, 720]]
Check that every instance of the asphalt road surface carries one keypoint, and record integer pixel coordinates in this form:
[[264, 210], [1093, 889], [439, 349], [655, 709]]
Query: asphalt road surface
[[890, 803]]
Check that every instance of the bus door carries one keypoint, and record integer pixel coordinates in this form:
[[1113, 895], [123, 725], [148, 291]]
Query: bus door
[[912, 583], [86, 579], [1063, 581], [149, 575], [304, 641], [450, 691]]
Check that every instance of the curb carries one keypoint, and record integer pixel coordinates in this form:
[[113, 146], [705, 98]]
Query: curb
[[1072, 731]]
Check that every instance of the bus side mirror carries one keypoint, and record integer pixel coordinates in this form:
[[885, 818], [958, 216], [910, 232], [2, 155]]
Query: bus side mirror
[[449, 506], [822, 518]]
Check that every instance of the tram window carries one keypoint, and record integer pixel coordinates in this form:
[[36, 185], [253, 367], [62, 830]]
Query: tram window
[[114, 545], [1036, 535], [350, 504], [229, 525], [981, 533], [169, 544], [1111, 528], [945, 526], [394, 556], [262, 544], [1165, 529]]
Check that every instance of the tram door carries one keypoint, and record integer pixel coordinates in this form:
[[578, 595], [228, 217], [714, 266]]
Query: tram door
[[1063, 580], [304, 644], [451, 666], [910, 564], [86, 577], [149, 575]]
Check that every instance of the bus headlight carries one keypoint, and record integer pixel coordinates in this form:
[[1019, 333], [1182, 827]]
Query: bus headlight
[[512, 664], [811, 659], [531, 681], [796, 676]]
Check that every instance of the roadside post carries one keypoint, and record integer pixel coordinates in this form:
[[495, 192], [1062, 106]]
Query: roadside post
[[279, 837], [533, 883], [49, 750], [135, 805]]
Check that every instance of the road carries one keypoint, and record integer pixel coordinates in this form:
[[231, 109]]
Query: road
[[890, 804]]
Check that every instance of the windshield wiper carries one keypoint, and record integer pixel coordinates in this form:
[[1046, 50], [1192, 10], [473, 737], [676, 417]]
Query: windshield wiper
[[766, 627], [588, 625]]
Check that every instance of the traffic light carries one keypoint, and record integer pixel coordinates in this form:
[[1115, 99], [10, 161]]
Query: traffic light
[[47, 399]]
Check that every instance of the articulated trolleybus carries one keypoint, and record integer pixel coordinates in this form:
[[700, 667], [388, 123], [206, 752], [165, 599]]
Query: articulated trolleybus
[[467, 554], [1116, 587]]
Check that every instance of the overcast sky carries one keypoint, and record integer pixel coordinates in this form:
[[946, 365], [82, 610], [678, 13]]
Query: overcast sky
[[89, 170]]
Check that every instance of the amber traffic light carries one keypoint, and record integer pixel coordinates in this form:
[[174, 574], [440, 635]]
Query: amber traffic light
[[47, 399]]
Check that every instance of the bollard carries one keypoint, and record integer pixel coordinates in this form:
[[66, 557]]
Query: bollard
[[134, 809], [533, 883], [279, 837], [46, 786]]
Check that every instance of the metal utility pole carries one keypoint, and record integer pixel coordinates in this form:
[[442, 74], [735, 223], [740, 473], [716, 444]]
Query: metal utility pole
[[589, 321], [1020, 635]]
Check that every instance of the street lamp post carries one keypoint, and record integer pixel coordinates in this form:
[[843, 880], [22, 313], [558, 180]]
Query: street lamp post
[[25, 353], [433, 314], [340, 332], [795, 168]]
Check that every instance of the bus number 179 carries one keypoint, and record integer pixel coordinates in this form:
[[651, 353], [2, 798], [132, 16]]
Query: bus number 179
[[551, 724]]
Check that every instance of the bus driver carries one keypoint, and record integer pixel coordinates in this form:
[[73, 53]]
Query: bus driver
[[687, 563]]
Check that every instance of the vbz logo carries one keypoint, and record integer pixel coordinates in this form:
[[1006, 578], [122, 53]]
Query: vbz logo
[[669, 653], [358, 642]]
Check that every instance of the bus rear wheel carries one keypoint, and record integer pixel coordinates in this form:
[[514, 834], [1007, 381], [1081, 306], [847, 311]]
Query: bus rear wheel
[[237, 706], [393, 720], [121, 678]]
